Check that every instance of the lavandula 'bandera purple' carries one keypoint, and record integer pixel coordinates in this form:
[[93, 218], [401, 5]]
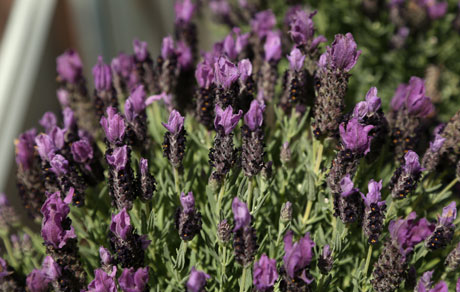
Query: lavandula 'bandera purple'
[[374, 212], [295, 83], [132, 280], [136, 118], [70, 78], [127, 246], [246, 84], [222, 156], [167, 67], [145, 180], [252, 156], [226, 81], [204, 75], [268, 74], [333, 72], [103, 282], [296, 261], [355, 143], [405, 179], [104, 92], [9, 280], [409, 107], [125, 75], [144, 66], [453, 259], [244, 235], [30, 186], [348, 204], [432, 155], [41, 280], [185, 29], [392, 264], [187, 219], [197, 281], [61, 242], [426, 285], [445, 228], [265, 274], [174, 139], [262, 23]]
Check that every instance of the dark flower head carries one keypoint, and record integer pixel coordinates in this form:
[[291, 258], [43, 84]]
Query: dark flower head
[[265, 274], [45, 147], [412, 164], [347, 187], [54, 212], [399, 98], [406, 233], [355, 136], [254, 118], [187, 202], [298, 256], [436, 145], [197, 280], [184, 10], [82, 151], [226, 120], [103, 282], [175, 122], [135, 104], [244, 69], [373, 196], [69, 66], [63, 97], [51, 269], [69, 119], [296, 59], [272, 46], [121, 224], [204, 75], [241, 214], [59, 165], [226, 73], [184, 55], [134, 281], [263, 23], [113, 125], [449, 213], [48, 121], [140, 50], [106, 257], [25, 148], [167, 48], [416, 102], [102, 75], [118, 158], [37, 282], [342, 54]]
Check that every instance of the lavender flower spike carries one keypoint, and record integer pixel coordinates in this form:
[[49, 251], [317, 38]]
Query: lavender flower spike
[[167, 48], [114, 126], [69, 66], [184, 10], [102, 282], [255, 116], [355, 136], [147, 182], [417, 103], [121, 224], [265, 274], [119, 158], [325, 261], [226, 73], [140, 50], [175, 122], [225, 120], [134, 281], [374, 212], [102, 76], [244, 236], [444, 231], [296, 60], [197, 280], [188, 220], [343, 53]]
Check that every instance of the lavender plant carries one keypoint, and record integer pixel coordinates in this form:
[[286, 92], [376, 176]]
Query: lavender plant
[[208, 172]]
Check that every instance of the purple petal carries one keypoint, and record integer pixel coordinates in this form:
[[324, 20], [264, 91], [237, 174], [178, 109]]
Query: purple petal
[[241, 214], [254, 118], [296, 60]]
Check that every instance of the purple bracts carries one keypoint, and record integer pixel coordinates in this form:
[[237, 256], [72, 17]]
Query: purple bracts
[[140, 50], [102, 75], [121, 224], [355, 136], [25, 149], [272, 47], [226, 73], [113, 125], [37, 281], [244, 69], [105, 256], [263, 23], [134, 280], [197, 280], [265, 274], [342, 55], [48, 121], [302, 30], [254, 118], [119, 158], [54, 212], [184, 10], [69, 66], [296, 60], [225, 120], [167, 48], [241, 214], [298, 256], [82, 151], [102, 282], [175, 122], [204, 75], [187, 202]]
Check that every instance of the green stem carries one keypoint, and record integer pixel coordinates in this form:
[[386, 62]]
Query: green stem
[[9, 249], [368, 259], [223, 265], [250, 191], [243, 280], [307, 212], [219, 201], [390, 209], [319, 157], [176, 180]]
